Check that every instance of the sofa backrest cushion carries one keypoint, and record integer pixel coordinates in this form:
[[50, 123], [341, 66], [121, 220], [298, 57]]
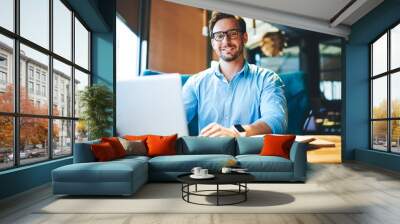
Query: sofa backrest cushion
[[83, 152], [191, 145], [249, 145]]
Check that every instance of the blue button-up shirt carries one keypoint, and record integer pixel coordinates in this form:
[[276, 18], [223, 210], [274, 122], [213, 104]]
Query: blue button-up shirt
[[254, 94]]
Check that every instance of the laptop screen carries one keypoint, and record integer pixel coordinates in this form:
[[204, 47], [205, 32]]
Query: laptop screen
[[151, 105]]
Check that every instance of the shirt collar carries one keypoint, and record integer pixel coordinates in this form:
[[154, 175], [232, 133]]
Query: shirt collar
[[243, 71]]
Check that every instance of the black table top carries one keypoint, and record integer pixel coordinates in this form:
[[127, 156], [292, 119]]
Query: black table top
[[220, 178]]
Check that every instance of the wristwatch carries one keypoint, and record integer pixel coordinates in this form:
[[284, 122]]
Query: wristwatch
[[239, 128]]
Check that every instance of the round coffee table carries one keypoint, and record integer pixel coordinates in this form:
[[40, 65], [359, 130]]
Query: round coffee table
[[238, 179]]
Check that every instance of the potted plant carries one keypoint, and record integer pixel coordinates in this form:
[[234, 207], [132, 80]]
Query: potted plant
[[96, 102]]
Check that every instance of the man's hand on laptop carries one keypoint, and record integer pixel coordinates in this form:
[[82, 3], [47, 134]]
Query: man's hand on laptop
[[217, 130]]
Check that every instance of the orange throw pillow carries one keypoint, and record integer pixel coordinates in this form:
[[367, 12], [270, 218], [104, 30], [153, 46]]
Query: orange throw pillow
[[116, 145], [136, 137], [103, 152], [161, 145], [277, 145]]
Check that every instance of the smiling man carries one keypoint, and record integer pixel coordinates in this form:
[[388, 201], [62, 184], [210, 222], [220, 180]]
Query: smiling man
[[234, 98]]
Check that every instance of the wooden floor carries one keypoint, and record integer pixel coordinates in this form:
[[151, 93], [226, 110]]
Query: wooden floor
[[376, 189]]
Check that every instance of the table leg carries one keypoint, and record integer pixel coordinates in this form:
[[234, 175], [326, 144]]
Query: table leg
[[217, 194], [188, 190], [245, 193], [182, 188]]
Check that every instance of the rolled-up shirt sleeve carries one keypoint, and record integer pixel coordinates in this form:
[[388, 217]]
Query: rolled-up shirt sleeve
[[189, 97], [273, 105]]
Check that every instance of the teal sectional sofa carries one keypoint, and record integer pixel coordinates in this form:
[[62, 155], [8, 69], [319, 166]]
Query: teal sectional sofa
[[125, 176]]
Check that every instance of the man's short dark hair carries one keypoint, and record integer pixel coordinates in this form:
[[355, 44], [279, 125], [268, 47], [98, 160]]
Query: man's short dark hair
[[216, 16]]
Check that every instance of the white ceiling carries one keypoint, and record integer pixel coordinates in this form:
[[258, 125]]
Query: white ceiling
[[314, 15], [319, 9]]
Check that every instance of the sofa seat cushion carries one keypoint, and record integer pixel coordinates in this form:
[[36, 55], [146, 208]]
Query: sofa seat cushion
[[112, 171], [185, 163], [257, 163], [133, 158]]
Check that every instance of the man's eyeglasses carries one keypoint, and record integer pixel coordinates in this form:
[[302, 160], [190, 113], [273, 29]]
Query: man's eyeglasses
[[232, 34]]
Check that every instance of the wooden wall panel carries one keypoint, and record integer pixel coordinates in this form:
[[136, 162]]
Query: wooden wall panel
[[129, 10], [175, 41]]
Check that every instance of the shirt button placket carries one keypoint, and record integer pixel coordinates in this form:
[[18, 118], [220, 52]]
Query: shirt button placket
[[228, 101]]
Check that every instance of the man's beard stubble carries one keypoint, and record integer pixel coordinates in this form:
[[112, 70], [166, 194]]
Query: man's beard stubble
[[232, 57]]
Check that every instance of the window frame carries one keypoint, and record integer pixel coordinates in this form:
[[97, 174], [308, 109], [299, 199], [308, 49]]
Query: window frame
[[16, 115], [388, 74], [3, 74]]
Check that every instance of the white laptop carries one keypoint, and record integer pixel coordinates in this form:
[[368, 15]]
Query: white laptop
[[151, 105]]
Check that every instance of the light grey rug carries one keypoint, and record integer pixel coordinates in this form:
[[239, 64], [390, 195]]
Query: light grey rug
[[166, 198]]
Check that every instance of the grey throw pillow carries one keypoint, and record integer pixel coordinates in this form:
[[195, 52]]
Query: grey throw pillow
[[137, 148]]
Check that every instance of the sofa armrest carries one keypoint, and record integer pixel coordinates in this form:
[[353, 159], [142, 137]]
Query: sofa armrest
[[83, 152], [299, 159]]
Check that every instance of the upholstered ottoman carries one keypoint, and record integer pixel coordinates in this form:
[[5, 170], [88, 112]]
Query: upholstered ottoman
[[119, 177]]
